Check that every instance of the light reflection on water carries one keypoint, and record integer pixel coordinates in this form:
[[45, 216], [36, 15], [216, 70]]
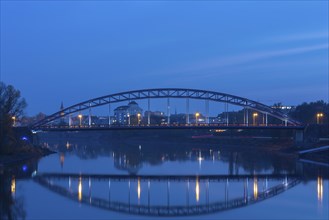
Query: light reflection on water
[[193, 179]]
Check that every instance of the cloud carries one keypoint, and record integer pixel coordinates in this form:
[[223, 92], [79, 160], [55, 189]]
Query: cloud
[[245, 58], [300, 37]]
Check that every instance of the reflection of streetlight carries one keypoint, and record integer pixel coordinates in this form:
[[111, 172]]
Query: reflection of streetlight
[[318, 116], [80, 117], [196, 117], [139, 115], [255, 188], [139, 189], [320, 188], [197, 190], [14, 119], [13, 185], [254, 118], [80, 190]]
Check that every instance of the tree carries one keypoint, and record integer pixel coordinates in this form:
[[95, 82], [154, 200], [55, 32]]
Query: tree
[[11, 105], [307, 112]]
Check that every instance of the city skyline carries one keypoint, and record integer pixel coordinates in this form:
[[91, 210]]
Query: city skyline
[[74, 51]]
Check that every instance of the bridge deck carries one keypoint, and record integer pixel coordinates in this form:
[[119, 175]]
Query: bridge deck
[[166, 127], [123, 177]]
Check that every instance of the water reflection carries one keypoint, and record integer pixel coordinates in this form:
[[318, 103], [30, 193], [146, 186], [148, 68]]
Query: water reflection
[[132, 156], [320, 188], [11, 205], [197, 190], [158, 203], [250, 176]]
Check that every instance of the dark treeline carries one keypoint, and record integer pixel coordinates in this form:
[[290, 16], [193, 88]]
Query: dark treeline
[[11, 108], [311, 113], [306, 113]]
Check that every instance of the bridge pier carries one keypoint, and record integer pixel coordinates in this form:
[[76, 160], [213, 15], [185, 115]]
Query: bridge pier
[[168, 111], [299, 136], [207, 111], [247, 120], [109, 113], [89, 117], [149, 111], [187, 111]]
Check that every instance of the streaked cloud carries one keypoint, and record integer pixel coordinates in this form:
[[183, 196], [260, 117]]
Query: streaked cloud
[[242, 59], [300, 37]]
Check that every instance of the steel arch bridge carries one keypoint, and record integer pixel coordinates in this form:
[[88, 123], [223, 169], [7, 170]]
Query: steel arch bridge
[[168, 93]]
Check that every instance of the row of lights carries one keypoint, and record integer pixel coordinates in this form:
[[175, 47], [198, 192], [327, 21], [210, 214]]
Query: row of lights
[[319, 116]]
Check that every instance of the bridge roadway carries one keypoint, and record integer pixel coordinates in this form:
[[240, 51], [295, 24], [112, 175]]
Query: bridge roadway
[[179, 178], [169, 127]]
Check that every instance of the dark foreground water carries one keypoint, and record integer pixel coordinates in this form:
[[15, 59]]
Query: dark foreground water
[[99, 178]]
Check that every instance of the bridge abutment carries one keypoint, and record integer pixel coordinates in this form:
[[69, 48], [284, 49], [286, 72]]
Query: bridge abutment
[[299, 137]]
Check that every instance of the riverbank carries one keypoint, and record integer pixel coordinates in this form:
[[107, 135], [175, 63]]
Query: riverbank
[[22, 154]]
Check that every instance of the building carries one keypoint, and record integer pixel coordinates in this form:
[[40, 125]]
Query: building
[[123, 114]]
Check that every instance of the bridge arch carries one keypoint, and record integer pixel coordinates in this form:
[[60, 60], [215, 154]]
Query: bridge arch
[[168, 93], [56, 183]]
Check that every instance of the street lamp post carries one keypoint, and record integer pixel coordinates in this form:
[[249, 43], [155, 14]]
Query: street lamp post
[[14, 120], [254, 116], [80, 118], [318, 116], [128, 115], [139, 115], [196, 117]]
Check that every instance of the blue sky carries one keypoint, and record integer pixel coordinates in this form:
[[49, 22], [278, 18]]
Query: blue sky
[[71, 51]]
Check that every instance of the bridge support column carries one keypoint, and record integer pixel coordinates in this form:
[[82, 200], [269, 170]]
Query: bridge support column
[[168, 111], [247, 119], [207, 111], [299, 136], [89, 117], [70, 120], [109, 114], [265, 119], [285, 122], [187, 111], [149, 112]]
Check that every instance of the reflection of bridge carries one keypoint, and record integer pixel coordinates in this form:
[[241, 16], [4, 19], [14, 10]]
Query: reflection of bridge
[[209, 185], [168, 94]]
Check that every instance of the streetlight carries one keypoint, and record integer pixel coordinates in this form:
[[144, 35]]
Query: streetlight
[[14, 120], [254, 117], [318, 116], [138, 115], [128, 115], [196, 117], [80, 117]]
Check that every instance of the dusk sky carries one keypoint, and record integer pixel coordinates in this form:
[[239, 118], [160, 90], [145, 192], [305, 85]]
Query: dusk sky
[[71, 51]]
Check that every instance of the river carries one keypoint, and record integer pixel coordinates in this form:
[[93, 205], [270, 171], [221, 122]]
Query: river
[[94, 177]]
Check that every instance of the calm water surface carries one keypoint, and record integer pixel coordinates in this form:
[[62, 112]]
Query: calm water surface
[[95, 178]]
